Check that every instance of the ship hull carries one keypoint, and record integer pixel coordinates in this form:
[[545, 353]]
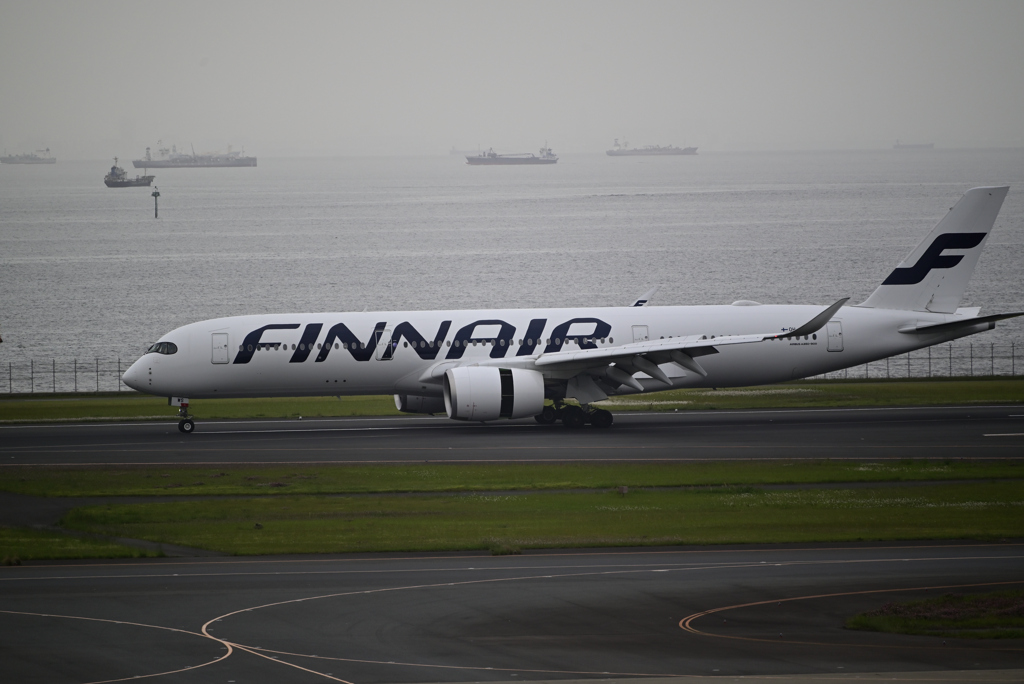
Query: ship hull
[[16, 160], [507, 161], [192, 164], [137, 182], [662, 152]]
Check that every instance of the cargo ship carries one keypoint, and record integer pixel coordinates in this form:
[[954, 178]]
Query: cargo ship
[[172, 159], [118, 178], [624, 150], [491, 158], [31, 158]]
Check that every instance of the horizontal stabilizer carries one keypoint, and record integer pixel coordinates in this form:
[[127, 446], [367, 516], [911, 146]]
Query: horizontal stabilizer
[[957, 325]]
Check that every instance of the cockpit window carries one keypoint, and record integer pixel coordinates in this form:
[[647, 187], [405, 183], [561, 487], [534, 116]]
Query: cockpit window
[[163, 348]]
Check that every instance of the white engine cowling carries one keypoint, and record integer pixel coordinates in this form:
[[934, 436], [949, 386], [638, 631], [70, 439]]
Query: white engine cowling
[[488, 393], [414, 403]]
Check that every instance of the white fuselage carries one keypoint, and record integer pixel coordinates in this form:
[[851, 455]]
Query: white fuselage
[[311, 354]]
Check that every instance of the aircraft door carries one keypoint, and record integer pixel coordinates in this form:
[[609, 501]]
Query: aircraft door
[[219, 342], [385, 345], [835, 336], [640, 333]]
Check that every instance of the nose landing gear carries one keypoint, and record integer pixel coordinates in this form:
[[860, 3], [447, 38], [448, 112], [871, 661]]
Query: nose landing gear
[[185, 424]]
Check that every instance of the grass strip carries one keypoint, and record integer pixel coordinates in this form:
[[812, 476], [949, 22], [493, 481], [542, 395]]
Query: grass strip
[[131, 406], [452, 477], [992, 615], [564, 520], [20, 544], [830, 394], [803, 394]]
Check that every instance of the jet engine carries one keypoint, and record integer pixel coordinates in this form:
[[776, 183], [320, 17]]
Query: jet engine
[[413, 403], [487, 393]]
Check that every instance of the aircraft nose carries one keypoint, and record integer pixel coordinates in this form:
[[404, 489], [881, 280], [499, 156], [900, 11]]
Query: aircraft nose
[[133, 377]]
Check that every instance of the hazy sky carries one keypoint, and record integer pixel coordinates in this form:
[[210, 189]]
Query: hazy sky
[[93, 79]]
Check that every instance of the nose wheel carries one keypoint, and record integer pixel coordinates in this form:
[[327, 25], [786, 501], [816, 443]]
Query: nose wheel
[[185, 424]]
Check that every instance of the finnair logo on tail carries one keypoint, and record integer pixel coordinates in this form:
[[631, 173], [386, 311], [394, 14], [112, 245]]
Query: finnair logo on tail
[[934, 258]]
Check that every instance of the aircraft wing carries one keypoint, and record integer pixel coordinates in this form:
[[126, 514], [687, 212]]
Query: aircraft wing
[[618, 364], [693, 345]]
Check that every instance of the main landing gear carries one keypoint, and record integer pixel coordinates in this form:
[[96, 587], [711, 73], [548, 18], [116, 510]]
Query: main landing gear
[[574, 417], [186, 424]]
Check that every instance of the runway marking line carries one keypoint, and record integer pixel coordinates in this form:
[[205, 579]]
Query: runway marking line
[[449, 425], [686, 623], [839, 409], [133, 624]]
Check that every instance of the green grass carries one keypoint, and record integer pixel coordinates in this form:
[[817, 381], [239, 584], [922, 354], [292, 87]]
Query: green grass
[[992, 615], [803, 394], [131, 406], [561, 520], [20, 544], [825, 394], [347, 479]]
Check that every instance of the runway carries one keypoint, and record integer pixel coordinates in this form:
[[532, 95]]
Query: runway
[[620, 614], [954, 432]]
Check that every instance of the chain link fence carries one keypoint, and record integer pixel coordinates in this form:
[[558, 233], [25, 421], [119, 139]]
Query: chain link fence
[[65, 376], [939, 361], [947, 360]]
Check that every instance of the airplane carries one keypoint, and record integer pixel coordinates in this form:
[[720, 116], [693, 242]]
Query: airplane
[[488, 365]]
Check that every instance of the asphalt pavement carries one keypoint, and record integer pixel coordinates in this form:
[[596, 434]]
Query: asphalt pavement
[[543, 616], [857, 433]]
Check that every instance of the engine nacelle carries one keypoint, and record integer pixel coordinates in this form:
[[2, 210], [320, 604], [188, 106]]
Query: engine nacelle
[[414, 403], [488, 393]]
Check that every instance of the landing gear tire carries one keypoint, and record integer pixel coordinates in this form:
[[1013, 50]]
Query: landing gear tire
[[573, 418], [186, 426], [547, 415], [601, 418]]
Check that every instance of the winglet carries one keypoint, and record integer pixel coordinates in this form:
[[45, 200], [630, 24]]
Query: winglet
[[646, 297], [815, 324]]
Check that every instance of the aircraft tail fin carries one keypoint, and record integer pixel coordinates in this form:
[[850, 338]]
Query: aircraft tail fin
[[934, 276]]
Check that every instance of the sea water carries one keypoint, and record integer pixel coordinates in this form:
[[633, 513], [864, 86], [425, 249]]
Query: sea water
[[87, 271]]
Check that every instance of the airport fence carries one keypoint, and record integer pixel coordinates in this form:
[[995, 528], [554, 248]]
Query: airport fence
[[948, 360], [55, 376]]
